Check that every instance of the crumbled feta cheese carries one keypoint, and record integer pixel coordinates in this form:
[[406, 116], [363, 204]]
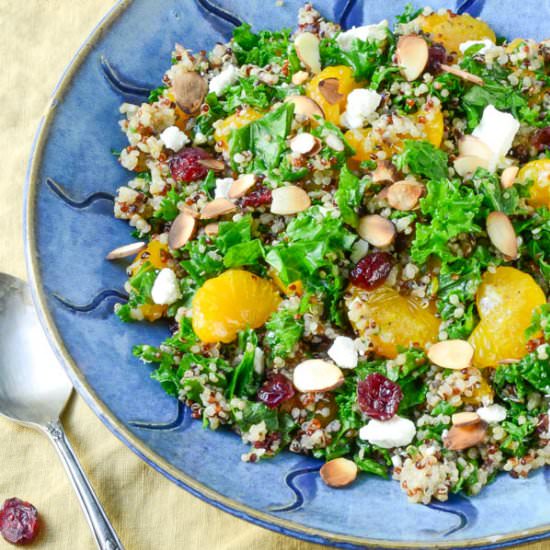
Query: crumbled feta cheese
[[492, 413], [174, 138], [259, 361], [497, 130], [396, 432], [343, 352], [364, 33], [221, 81], [165, 289], [487, 45], [361, 103], [222, 187]]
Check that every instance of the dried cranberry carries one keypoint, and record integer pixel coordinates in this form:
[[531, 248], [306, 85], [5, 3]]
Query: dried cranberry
[[185, 165], [18, 521], [372, 270], [436, 56], [541, 139], [256, 198], [275, 390], [378, 396]]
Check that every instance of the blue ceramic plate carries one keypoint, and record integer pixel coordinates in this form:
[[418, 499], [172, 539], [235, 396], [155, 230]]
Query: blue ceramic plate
[[69, 228]]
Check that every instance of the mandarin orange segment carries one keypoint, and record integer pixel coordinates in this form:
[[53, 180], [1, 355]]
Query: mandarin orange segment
[[430, 119], [505, 303], [234, 122], [231, 302], [294, 288], [537, 171], [346, 84], [156, 253], [152, 312], [399, 320], [451, 29]]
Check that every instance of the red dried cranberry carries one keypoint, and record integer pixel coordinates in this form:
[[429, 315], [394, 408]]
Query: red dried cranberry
[[378, 396], [257, 198], [541, 139], [185, 165], [18, 521], [275, 390], [436, 56], [372, 270]]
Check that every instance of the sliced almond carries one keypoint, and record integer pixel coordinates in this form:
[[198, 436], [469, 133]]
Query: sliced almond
[[502, 234], [334, 142], [190, 89], [240, 187], [339, 472], [412, 56], [465, 418], [299, 78], [451, 354], [404, 195], [307, 49], [217, 208], [212, 229], [315, 375], [189, 210], [385, 172], [376, 230], [126, 250], [289, 200], [305, 144], [329, 90], [213, 164], [457, 71], [305, 106], [181, 231], [463, 437], [508, 176], [471, 146], [467, 165]]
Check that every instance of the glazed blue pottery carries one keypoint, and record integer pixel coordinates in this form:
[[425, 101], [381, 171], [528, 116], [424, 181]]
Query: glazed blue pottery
[[69, 228]]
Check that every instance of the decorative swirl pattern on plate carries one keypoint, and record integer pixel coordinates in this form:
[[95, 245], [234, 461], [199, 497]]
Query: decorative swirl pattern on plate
[[473, 7], [121, 84], [219, 12], [58, 190], [345, 13], [94, 303], [181, 421], [299, 497], [459, 506]]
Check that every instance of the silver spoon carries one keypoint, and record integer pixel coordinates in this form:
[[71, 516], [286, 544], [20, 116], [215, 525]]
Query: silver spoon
[[34, 390]]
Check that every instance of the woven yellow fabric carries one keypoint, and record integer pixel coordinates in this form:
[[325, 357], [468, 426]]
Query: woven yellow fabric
[[38, 39]]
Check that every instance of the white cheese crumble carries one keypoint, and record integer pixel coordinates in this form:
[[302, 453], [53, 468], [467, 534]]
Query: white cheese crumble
[[165, 289], [221, 81], [364, 33], [222, 187], [497, 130], [396, 432], [492, 413], [343, 352], [487, 45], [173, 138], [361, 104]]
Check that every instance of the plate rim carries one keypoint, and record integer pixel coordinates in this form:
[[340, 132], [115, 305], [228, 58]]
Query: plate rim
[[102, 411]]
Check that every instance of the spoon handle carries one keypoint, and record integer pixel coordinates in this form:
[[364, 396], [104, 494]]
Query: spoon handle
[[104, 533]]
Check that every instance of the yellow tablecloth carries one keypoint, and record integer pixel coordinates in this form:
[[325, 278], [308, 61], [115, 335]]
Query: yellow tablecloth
[[37, 40]]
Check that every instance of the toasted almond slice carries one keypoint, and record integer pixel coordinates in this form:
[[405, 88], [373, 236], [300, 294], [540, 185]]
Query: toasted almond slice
[[240, 187], [305, 143], [289, 200], [213, 164], [412, 56], [188, 210], [338, 472], [385, 172], [404, 195], [508, 176], [467, 165], [305, 106], [182, 230], [502, 234], [376, 230], [212, 229], [471, 146], [382, 195], [307, 49], [463, 437], [457, 71], [216, 208], [329, 90], [334, 142], [190, 89], [316, 375], [465, 418], [452, 354], [299, 78], [126, 250]]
